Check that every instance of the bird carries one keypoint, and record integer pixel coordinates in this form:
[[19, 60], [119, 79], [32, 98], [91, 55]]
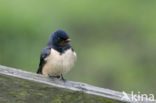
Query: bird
[[58, 57]]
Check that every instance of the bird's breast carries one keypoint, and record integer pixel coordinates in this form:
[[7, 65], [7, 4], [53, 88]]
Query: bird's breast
[[57, 63]]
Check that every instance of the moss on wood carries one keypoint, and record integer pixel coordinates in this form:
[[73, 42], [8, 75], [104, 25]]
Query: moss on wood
[[15, 90]]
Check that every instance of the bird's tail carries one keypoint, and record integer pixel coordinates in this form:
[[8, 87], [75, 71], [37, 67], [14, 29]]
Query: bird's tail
[[39, 71]]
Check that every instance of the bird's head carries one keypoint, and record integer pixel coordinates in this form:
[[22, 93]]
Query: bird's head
[[59, 38]]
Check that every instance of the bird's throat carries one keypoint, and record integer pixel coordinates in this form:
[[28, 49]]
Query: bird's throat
[[63, 43]]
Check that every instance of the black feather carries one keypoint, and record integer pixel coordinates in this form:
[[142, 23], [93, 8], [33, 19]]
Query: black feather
[[72, 49], [44, 55]]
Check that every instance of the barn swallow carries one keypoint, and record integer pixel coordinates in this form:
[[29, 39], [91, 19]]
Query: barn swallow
[[58, 56]]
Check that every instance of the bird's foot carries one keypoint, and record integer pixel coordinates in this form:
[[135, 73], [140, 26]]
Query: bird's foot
[[51, 76], [62, 78], [58, 77]]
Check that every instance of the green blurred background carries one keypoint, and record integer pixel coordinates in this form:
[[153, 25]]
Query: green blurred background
[[115, 40]]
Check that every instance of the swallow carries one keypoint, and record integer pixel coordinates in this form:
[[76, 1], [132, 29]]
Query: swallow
[[58, 57]]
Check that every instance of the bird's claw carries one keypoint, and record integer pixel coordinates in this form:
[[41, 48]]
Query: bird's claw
[[58, 77]]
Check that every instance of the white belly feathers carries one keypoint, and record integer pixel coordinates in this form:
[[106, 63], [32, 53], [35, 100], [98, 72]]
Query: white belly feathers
[[59, 63]]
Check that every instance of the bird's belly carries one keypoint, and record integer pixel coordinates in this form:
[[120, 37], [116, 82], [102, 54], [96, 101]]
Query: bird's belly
[[58, 64]]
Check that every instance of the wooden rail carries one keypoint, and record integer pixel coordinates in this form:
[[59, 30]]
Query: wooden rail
[[18, 86]]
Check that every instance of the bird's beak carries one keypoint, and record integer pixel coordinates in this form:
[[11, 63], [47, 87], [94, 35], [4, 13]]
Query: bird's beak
[[68, 40]]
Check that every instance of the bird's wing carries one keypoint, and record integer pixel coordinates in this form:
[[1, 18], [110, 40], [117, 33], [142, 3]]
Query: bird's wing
[[72, 49], [74, 53], [43, 57]]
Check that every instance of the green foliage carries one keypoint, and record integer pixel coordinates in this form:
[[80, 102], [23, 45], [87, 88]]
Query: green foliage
[[114, 39]]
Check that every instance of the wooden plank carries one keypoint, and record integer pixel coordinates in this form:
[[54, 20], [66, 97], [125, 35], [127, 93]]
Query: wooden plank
[[18, 86]]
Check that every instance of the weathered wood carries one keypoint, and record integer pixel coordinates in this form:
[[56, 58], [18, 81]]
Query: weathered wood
[[17, 86]]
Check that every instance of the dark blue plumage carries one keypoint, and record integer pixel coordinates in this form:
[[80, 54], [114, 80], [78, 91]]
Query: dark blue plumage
[[58, 41]]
